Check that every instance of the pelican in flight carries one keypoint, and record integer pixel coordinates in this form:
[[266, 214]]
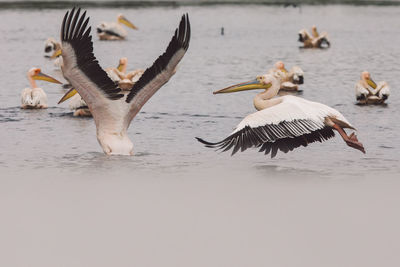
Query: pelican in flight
[[289, 79], [282, 123], [368, 92], [113, 109], [34, 97], [315, 40], [114, 30]]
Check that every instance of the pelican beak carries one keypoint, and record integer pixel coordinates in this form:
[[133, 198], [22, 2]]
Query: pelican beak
[[56, 54], [250, 85], [371, 83], [44, 77], [119, 68], [127, 23], [68, 95]]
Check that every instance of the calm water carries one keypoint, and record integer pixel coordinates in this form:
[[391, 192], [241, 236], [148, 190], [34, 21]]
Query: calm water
[[177, 203]]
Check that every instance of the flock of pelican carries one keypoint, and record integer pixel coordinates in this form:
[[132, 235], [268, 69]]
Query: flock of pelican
[[114, 96]]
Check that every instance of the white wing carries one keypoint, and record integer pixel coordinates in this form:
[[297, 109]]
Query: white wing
[[384, 90], [292, 123]]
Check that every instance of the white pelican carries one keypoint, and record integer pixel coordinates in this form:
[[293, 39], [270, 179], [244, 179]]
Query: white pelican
[[112, 110], [368, 92], [50, 46], [114, 30], [289, 79], [315, 40], [282, 123], [34, 97]]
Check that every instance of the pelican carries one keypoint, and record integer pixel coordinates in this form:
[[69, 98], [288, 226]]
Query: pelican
[[289, 79], [34, 97], [50, 46], [112, 110], [368, 92], [315, 40], [282, 123], [117, 75], [114, 30]]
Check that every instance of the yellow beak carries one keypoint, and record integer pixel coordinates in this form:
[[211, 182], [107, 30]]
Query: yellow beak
[[44, 77], [371, 83], [250, 85], [127, 23], [68, 95], [56, 54]]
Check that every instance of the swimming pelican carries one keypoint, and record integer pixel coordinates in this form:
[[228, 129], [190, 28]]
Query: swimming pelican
[[50, 46], [289, 79], [114, 30], [368, 92], [316, 40], [34, 97], [282, 123], [112, 110]]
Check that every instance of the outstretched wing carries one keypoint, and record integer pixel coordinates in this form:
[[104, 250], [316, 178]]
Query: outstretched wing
[[81, 67], [161, 70], [283, 127]]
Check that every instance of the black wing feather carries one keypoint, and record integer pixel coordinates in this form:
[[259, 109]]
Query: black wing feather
[[180, 40], [74, 32], [273, 137]]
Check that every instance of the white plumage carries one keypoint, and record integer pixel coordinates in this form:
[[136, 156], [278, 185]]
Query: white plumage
[[112, 110]]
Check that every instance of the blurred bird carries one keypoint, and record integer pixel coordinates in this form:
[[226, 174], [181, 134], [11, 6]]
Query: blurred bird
[[315, 40], [368, 92], [34, 97]]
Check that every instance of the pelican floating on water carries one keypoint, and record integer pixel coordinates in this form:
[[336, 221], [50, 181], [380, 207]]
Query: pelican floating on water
[[368, 92], [114, 30], [113, 110], [34, 97], [315, 40], [282, 123], [289, 79]]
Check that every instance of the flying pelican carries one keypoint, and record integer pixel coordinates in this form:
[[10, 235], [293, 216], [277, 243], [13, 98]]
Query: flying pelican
[[34, 97], [114, 30], [315, 40], [282, 123], [368, 92], [112, 110], [289, 79]]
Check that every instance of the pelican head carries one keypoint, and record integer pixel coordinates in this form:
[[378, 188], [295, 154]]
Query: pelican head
[[366, 77], [122, 64], [121, 19], [261, 82], [280, 66], [50, 45], [303, 36], [298, 75], [36, 74]]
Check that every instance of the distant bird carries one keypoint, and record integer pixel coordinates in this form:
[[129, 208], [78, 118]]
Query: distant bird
[[50, 46], [282, 123], [113, 110], [222, 31], [315, 40], [368, 92], [125, 80], [114, 30], [289, 79], [34, 97]]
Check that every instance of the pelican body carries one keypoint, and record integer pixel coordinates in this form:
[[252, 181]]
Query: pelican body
[[113, 110], [34, 97], [315, 40], [114, 30], [283, 123], [368, 92], [290, 80]]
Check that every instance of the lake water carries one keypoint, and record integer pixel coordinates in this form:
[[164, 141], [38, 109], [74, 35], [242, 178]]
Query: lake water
[[177, 203]]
